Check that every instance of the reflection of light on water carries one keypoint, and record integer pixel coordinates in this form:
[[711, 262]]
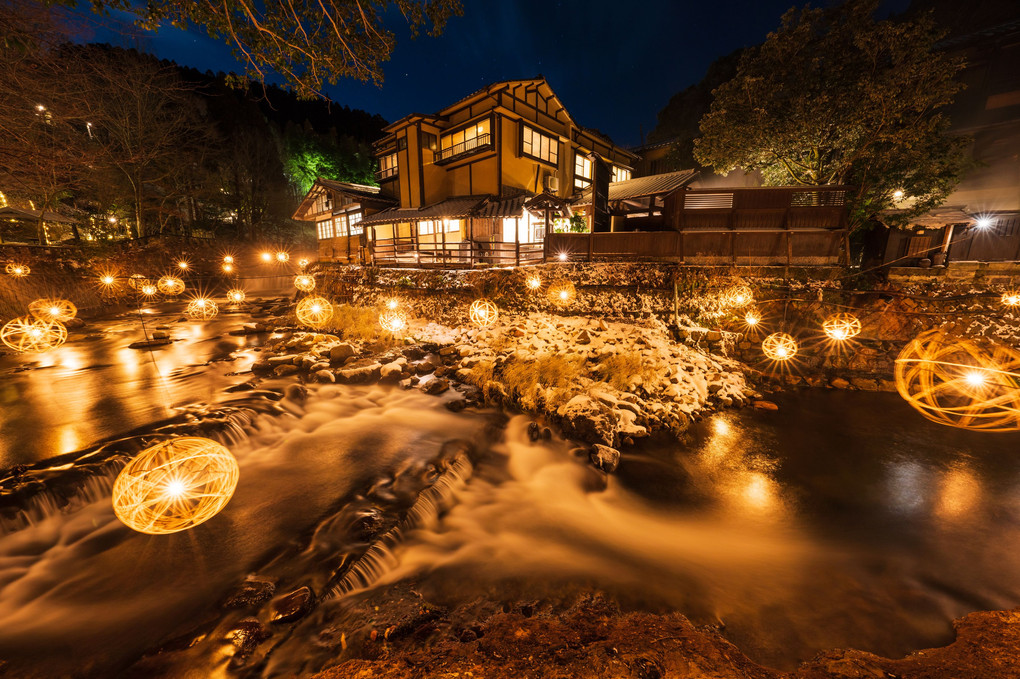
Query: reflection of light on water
[[959, 492], [721, 426], [70, 441], [758, 491], [908, 483]]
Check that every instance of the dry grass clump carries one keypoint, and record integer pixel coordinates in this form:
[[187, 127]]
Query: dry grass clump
[[551, 371], [619, 370], [483, 372]]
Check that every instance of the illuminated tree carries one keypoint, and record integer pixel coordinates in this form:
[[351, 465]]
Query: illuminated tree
[[835, 97], [308, 44]]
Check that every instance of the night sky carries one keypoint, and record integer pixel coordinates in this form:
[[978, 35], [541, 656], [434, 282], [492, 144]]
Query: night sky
[[614, 64]]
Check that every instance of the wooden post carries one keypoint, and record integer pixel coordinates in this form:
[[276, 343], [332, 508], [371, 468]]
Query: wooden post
[[517, 241], [471, 241], [443, 222], [789, 247], [414, 240]]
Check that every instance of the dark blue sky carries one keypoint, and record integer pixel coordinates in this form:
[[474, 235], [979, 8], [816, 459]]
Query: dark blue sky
[[614, 64]]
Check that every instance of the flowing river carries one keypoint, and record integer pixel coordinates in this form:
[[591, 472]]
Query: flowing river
[[842, 520]]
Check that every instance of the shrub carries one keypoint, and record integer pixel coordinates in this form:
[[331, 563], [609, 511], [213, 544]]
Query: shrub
[[619, 369], [548, 370]]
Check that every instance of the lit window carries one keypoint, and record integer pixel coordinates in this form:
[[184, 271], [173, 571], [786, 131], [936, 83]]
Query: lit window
[[426, 227], [452, 224], [620, 174], [388, 166], [582, 171], [354, 224], [465, 139], [538, 145], [325, 229]]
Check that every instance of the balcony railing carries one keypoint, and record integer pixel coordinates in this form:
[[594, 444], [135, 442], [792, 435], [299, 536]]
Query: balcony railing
[[387, 173], [478, 142]]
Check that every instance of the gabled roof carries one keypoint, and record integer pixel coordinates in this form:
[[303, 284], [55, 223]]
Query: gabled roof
[[32, 215], [641, 187], [362, 192], [456, 207]]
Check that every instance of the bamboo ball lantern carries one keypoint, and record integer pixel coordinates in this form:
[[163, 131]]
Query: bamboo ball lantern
[[175, 485], [315, 312], [170, 285], [738, 296], [393, 304], [562, 293], [303, 262], [17, 270], [961, 383], [136, 281], [483, 313], [33, 334], [183, 265], [752, 317], [236, 295], [842, 327], [61, 310], [304, 282], [228, 267], [283, 256], [779, 346], [1011, 298], [201, 309], [148, 289], [107, 280], [393, 321], [534, 282], [266, 256], [228, 259]]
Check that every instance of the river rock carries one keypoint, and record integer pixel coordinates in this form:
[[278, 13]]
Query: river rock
[[435, 386], [341, 352], [281, 360], [253, 592], [359, 372], [391, 372], [285, 370], [324, 376], [292, 606], [764, 405], [261, 366], [587, 419], [605, 458]]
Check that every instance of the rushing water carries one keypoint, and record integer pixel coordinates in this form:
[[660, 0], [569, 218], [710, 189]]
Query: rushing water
[[842, 520]]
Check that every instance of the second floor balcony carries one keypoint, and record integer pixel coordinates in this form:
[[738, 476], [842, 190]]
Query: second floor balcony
[[481, 142]]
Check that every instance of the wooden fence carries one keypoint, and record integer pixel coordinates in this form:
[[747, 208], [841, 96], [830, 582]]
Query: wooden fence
[[403, 251]]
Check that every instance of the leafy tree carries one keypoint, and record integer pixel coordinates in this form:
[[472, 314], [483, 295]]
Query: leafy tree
[[836, 97], [308, 155], [308, 44]]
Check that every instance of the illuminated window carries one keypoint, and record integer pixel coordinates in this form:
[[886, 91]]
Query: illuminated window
[[354, 224], [426, 227], [388, 166], [451, 225], [620, 174], [465, 139], [582, 171], [538, 145], [325, 229]]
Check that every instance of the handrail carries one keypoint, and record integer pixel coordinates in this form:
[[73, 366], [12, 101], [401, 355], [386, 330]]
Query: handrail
[[464, 146]]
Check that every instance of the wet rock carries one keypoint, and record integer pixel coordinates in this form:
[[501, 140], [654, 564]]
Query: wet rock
[[646, 668], [253, 592], [146, 344], [282, 360], [391, 372], [425, 367], [435, 386], [764, 405], [243, 386], [297, 393], [342, 352], [284, 370], [292, 606], [324, 376], [457, 404], [359, 372], [587, 419], [605, 458], [583, 337], [160, 335], [839, 383], [261, 366], [246, 635], [595, 480], [534, 431]]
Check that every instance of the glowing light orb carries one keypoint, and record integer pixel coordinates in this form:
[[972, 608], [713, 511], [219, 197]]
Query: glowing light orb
[[175, 485], [779, 346], [841, 327], [961, 383], [236, 295], [393, 321], [107, 280], [266, 256], [33, 334], [228, 268], [148, 289], [17, 270], [1011, 298], [314, 312], [170, 285], [737, 296], [201, 309], [392, 304], [183, 265], [562, 256], [61, 310], [483, 313], [304, 282], [562, 293], [282, 256], [137, 281], [228, 259], [752, 317], [534, 282], [303, 262]]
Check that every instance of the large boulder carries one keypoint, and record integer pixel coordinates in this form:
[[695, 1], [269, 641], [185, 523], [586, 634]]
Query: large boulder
[[588, 419], [359, 372], [341, 352], [605, 458]]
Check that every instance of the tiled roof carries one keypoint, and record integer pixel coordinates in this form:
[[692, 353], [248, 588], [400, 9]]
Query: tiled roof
[[360, 190], [503, 207], [452, 208], [652, 185]]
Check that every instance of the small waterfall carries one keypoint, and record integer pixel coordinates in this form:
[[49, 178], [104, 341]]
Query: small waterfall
[[70, 482], [380, 557]]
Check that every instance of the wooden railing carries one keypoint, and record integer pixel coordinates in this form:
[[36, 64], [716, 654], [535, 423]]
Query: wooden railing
[[404, 252]]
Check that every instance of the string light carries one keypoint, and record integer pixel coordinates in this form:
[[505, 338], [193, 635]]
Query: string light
[[107, 280], [17, 269], [170, 285], [738, 296], [483, 313], [61, 310], [392, 303], [393, 321], [779, 346], [236, 295], [315, 312], [201, 309], [304, 282], [33, 334], [961, 383], [183, 265], [561, 293], [228, 267], [175, 485], [842, 327]]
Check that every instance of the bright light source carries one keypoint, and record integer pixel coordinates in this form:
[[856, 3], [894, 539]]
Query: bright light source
[[175, 489], [111, 219], [392, 304], [563, 256], [228, 267], [983, 222], [40, 107], [107, 280], [267, 256], [228, 260], [975, 378], [534, 282], [897, 194], [282, 256], [182, 265]]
